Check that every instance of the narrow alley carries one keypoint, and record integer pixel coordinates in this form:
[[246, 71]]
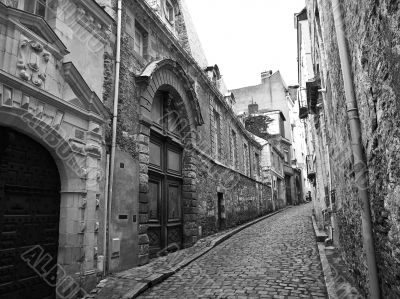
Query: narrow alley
[[199, 149], [275, 258]]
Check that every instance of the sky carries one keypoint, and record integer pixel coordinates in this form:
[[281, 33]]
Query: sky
[[247, 37]]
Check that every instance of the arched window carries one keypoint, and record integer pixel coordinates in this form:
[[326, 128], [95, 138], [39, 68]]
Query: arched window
[[165, 175]]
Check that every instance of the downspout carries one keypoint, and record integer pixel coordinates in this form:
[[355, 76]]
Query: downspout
[[114, 127], [105, 220], [358, 154]]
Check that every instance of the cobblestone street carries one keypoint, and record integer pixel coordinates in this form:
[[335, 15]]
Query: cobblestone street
[[275, 258]]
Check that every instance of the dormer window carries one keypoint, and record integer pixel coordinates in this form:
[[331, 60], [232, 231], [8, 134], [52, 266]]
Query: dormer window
[[169, 12], [37, 7]]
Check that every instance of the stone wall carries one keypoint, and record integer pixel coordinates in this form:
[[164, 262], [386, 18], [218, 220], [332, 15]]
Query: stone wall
[[182, 73], [244, 199], [373, 38]]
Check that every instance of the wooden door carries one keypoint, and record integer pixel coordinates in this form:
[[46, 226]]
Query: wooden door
[[165, 195], [29, 217]]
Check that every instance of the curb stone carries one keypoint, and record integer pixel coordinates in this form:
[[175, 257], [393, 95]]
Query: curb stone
[[328, 277], [159, 276], [321, 235]]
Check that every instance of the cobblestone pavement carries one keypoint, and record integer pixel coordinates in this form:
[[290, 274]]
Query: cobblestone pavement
[[275, 258]]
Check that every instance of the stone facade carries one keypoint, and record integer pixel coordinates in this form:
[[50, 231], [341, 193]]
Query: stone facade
[[371, 28], [185, 166], [51, 97], [220, 175], [277, 100]]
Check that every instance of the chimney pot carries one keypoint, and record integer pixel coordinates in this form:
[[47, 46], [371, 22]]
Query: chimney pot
[[253, 108]]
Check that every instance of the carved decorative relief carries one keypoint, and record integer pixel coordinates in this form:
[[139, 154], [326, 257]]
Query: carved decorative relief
[[86, 19], [155, 4], [32, 61], [11, 3]]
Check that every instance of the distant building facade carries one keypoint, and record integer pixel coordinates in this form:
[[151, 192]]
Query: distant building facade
[[273, 98]]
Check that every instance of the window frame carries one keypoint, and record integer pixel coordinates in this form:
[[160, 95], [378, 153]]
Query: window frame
[[246, 159], [257, 164], [286, 156], [217, 134], [3, 87], [32, 6], [169, 12], [234, 149], [138, 44]]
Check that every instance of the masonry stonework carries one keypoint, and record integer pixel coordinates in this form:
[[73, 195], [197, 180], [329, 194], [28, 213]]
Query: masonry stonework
[[165, 65], [373, 37]]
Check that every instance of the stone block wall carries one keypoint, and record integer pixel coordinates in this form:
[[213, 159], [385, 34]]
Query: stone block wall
[[373, 37], [243, 199]]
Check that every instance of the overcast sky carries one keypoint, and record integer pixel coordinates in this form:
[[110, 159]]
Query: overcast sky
[[246, 37]]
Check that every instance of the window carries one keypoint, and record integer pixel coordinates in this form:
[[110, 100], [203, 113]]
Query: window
[[282, 127], [37, 7], [245, 159], [138, 45], [140, 40], [217, 135], [257, 164], [233, 149], [286, 154], [7, 96], [169, 12], [165, 115]]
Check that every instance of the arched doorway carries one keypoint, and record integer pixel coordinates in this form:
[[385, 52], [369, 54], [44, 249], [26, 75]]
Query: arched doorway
[[166, 78], [29, 216], [165, 175]]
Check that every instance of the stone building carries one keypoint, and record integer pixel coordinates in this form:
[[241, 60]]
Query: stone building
[[341, 176], [194, 166], [184, 167], [272, 161], [52, 150], [274, 95]]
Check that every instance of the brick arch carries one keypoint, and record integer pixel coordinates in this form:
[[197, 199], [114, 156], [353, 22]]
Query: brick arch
[[167, 75]]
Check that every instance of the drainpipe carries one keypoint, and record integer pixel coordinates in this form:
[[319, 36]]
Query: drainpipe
[[358, 154], [105, 219], [114, 127]]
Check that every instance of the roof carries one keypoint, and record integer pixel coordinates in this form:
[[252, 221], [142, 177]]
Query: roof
[[261, 93], [260, 140], [195, 47], [270, 111]]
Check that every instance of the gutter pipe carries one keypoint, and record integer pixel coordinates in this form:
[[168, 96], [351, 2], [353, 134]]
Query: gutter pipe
[[114, 128], [358, 153], [105, 219]]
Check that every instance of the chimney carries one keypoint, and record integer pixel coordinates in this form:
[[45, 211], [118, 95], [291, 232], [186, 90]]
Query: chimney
[[253, 108], [265, 75]]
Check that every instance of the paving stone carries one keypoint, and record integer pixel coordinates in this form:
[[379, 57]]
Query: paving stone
[[275, 258]]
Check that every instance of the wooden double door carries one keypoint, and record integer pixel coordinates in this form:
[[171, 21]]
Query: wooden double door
[[165, 195], [29, 218]]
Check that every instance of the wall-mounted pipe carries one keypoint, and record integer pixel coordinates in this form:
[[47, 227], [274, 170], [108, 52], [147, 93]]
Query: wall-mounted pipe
[[358, 153], [105, 219], [114, 129]]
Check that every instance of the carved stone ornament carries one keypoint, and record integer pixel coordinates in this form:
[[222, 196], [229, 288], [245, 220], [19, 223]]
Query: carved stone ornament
[[32, 61], [11, 3]]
